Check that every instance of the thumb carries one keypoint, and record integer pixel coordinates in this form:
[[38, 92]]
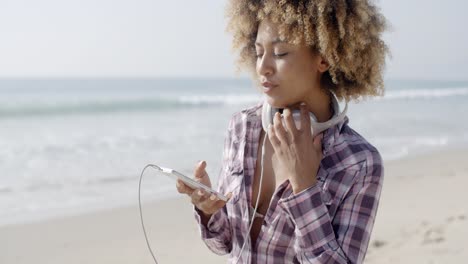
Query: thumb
[[200, 169]]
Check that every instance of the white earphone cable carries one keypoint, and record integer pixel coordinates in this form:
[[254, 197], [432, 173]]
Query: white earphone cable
[[258, 198], [251, 220], [141, 212]]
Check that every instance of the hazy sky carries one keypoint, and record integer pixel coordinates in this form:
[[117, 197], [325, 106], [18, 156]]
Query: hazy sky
[[155, 38]]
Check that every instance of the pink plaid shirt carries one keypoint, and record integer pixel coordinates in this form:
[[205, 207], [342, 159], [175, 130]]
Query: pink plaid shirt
[[330, 222]]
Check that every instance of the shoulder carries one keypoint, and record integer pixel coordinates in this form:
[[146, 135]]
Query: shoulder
[[352, 151], [240, 119]]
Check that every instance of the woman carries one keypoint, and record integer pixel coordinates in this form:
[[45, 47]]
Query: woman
[[319, 195]]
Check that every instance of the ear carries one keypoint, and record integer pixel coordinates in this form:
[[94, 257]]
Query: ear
[[323, 65]]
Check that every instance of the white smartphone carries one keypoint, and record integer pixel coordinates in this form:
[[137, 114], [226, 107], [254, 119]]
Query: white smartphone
[[191, 182]]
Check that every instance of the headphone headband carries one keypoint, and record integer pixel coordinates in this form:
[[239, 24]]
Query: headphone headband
[[268, 113]]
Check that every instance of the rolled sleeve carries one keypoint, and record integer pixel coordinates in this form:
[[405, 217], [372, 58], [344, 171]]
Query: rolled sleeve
[[214, 226], [216, 234], [310, 216]]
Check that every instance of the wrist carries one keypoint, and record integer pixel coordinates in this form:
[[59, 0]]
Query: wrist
[[299, 187], [205, 218]]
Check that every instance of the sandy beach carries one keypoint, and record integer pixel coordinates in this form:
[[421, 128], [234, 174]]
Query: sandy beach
[[423, 215], [422, 218]]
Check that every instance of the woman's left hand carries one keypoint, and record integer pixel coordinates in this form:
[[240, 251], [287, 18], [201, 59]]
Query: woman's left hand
[[298, 156]]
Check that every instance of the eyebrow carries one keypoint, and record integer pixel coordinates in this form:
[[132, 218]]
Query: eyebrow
[[272, 43]]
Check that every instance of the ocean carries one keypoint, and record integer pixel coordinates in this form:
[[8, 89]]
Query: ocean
[[70, 146]]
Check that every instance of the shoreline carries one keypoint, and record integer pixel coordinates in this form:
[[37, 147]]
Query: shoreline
[[31, 218], [423, 199]]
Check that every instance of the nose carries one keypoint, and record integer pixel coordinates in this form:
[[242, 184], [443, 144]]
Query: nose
[[265, 66]]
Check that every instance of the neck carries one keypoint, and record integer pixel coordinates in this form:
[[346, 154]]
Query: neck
[[320, 105]]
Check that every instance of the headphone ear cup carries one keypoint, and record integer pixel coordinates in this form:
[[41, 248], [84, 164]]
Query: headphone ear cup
[[267, 117]]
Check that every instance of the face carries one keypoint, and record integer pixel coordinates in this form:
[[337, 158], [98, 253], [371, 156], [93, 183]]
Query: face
[[293, 70]]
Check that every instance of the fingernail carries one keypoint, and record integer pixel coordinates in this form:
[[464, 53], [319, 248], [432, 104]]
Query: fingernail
[[303, 104]]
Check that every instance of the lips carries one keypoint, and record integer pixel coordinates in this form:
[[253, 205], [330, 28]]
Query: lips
[[268, 85]]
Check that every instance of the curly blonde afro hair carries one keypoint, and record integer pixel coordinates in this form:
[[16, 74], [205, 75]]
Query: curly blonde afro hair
[[346, 33]]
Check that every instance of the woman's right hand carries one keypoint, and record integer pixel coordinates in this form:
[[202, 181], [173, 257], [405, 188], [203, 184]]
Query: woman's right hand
[[207, 203]]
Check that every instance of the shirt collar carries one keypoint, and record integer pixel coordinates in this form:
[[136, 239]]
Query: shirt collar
[[331, 135]]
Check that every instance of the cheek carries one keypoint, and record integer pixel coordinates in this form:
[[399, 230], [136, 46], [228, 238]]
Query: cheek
[[287, 70], [301, 73], [292, 75]]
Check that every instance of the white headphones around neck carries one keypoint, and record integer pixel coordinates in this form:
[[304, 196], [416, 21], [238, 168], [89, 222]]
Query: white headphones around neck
[[268, 113]]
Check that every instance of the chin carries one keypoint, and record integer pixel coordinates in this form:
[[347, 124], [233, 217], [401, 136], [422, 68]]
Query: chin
[[278, 102], [274, 102]]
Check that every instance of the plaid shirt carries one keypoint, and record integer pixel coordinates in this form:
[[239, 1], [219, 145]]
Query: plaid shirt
[[330, 222]]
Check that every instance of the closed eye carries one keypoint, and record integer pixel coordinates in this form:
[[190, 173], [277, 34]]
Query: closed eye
[[276, 55]]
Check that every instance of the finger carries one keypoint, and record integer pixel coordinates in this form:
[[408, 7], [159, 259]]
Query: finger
[[183, 188], [280, 132], [212, 203], [198, 196], [272, 137], [290, 125], [179, 187], [211, 207], [305, 119], [200, 170]]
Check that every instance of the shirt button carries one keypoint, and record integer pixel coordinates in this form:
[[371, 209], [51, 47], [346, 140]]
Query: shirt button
[[326, 196]]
